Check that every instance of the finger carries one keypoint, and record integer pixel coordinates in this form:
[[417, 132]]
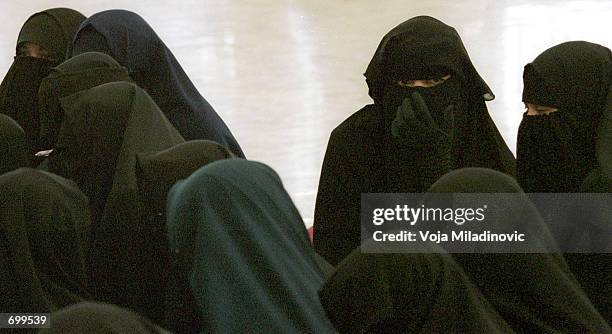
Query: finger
[[421, 110]]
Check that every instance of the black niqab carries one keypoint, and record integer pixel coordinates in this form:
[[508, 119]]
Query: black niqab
[[362, 156], [52, 30], [132, 42]]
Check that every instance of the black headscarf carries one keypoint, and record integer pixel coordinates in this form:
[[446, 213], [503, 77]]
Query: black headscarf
[[557, 151], [534, 293], [44, 240], [78, 73], [157, 172], [362, 156], [97, 318], [52, 30], [132, 42], [407, 293], [244, 252], [14, 151], [103, 130]]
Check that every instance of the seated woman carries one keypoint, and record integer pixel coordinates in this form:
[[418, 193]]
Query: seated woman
[[428, 117], [130, 40], [243, 259], [103, 130], [564, 146], [44, 242], [41, 44]]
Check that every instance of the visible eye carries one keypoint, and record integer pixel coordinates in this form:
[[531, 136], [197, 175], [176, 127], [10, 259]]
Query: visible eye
[[423, 82]]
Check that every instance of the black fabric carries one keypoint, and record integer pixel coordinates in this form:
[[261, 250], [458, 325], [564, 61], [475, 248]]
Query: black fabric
[[98, 318], [363, 157], [44, 241], [575, 78], [14, 151], [134, 44], [103, 130], [407, 293], [51, 29], [534, 293], [568, 150], [156, 173], [18, 96], [78, 73], [244, 252]]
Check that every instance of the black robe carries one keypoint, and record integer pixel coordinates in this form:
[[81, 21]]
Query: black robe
[[360, 157], [14, 151], [574, 77], [44, 242], [533, 292], [157, 172], [132, 42], [103, 130], [52, 30], [78, 73]]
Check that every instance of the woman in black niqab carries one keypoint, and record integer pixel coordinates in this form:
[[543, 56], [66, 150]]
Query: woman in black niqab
[[51, 31], [103, 130], [568, 150], [130, 40], [44, 242], [365, 156]]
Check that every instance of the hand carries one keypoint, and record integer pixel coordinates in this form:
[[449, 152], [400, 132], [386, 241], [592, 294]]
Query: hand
[[413, 123]]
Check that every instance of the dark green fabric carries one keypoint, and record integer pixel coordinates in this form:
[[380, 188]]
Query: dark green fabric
[[97, 318], [157, 172], [52, 29], [44, 240], [81, 72], [534, 293], [244, 251], [103, 130], [363, 157], [407, 293], [14, 150]]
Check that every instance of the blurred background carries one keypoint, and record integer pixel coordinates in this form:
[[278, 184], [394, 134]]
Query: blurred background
[[283, 74]]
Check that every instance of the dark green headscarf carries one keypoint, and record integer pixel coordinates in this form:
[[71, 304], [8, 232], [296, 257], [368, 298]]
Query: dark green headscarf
[[243, 250], [81, 72], [44, 239], [103, 130]]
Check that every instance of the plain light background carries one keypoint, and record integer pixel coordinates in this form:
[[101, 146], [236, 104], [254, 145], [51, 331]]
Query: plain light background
[[283, 74]]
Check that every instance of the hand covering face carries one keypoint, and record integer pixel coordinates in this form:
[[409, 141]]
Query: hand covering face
[[244, 252], [364, 157]]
